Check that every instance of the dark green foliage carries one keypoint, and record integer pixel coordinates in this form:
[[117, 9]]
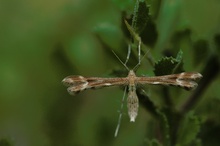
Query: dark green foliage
[[217, 42], [200, 51], [188, 129], [5, 142], [169, 65], [165, 128], [140, 16]]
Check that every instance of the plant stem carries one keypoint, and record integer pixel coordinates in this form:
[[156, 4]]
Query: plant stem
[[210, 72]]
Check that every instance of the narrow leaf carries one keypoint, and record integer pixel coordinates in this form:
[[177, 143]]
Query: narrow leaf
[[166, 128], [132, 31]]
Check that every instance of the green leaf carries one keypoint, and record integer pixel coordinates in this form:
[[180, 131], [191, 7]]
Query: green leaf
[[139, 19], [188, 129], [169, 65], [140, 16]]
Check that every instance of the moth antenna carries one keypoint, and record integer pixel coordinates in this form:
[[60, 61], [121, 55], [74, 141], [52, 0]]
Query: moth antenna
[[120, 60], [139, 51], [128, 55], [139, 56], [120, 115]]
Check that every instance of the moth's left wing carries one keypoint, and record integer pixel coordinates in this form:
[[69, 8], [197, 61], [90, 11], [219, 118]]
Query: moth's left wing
[[185, 80]]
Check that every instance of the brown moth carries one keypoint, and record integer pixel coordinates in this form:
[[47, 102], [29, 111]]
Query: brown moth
[[79, 83]]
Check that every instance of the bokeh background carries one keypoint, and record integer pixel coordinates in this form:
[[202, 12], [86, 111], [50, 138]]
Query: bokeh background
[[43, 41]]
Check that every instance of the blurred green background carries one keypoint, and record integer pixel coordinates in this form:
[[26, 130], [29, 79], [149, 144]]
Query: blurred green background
[[43, 41]]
